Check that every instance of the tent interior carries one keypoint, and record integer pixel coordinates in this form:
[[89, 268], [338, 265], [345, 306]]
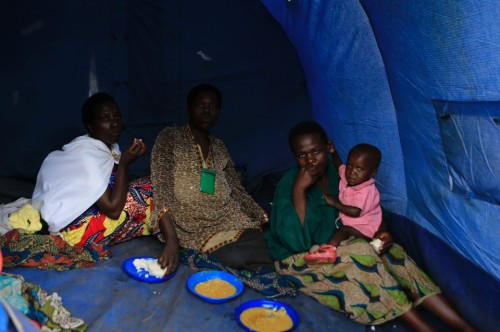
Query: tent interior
[[418, 79]]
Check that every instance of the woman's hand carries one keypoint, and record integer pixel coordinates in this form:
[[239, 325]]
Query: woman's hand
[[134, 151], [386, 238], [113, 200], [169, 257], [331, 147], [306, 177]]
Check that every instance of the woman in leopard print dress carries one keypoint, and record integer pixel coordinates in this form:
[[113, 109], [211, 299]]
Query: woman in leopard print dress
[[199, 201]]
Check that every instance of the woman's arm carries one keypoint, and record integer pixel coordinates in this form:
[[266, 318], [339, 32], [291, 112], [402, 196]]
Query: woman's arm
[[169, 257], [286, 227], [162, 175], [306, 177], [111, 203], [162, 179], [337, 161]]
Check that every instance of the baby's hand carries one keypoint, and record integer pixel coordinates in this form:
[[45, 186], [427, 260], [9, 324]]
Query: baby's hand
[[331, 200], [386, 239], [377, 244]]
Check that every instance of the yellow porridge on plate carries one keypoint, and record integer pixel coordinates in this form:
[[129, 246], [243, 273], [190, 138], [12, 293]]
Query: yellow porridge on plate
[[215, 288], [266, 319]]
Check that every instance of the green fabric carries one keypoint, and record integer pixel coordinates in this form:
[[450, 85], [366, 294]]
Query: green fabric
[[286, 236]]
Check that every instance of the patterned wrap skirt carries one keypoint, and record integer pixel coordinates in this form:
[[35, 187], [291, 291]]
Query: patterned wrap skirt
[[371, 289], [92, 226]]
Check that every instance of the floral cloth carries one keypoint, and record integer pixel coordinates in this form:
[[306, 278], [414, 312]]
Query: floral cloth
[[48, 252], [93, 226], [370, 289]]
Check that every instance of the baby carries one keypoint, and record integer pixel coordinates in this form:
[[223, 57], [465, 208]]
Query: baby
[[358, 202]]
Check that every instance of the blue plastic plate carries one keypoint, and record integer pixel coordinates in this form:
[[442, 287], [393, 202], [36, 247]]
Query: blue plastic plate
[[268, 304], [141, 274], [209, 275]]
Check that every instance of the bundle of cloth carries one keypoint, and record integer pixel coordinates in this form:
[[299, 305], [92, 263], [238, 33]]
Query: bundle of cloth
[[25, 241], [25, 306]]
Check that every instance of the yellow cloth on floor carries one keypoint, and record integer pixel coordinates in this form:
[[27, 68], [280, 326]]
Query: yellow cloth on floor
[[26, 218]]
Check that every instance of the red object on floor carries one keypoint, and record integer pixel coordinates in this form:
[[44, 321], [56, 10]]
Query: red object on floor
[[325, 254]]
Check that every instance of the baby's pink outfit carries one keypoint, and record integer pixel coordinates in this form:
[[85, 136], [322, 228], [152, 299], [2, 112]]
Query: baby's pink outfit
[[364, 196]]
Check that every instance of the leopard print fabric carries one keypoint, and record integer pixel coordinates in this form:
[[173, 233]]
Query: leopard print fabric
[[175, 175]]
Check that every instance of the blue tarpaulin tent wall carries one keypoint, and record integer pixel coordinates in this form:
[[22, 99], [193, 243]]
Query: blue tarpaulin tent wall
[[419, 79]]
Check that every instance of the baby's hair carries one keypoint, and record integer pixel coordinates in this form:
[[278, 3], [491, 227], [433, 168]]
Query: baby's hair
[[374, 154], [203, 87], [89, 107], [305, 128]]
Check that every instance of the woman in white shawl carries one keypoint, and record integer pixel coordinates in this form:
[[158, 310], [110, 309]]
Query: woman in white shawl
[[83, 191]]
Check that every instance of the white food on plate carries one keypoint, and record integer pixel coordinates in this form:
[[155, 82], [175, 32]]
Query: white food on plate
[[151, 266]]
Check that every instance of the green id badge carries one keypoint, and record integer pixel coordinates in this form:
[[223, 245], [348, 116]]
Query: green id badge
[[207, 181]]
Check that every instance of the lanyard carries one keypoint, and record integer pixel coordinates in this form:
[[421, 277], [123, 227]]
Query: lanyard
[[204, 162]]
